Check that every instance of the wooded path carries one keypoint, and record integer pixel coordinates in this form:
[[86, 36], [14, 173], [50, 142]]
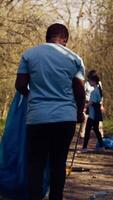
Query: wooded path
[[96, 177]]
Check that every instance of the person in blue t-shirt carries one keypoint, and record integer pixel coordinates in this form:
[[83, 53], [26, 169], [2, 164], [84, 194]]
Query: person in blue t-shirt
[[88, 90], [55, 76], [94, 112]]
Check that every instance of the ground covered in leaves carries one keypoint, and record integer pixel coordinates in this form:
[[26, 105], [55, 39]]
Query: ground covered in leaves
[[91, 177]]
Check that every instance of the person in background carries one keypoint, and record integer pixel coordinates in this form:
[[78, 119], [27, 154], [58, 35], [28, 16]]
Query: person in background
[[54, 75], [88, 90], [94, 112]]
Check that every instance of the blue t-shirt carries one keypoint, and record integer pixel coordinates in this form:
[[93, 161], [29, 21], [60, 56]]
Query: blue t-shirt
[[95, 97], [51, 68]]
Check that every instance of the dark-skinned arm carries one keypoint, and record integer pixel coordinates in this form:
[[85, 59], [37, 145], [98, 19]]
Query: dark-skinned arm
[[79, 94], [21, 83]]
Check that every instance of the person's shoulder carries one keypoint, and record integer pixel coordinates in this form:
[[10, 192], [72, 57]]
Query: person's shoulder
[[34, 48], [31, 50], [74, 56]]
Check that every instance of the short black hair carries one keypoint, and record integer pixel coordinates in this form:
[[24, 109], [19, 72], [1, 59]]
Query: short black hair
[[94, 78], [91, 73], [55, 30]]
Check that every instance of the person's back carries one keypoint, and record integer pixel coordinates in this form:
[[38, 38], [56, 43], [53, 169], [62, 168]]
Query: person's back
[[52, 68], [52, 108]]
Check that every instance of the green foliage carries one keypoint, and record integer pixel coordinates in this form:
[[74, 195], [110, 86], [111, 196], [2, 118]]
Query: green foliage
[[108, 127]]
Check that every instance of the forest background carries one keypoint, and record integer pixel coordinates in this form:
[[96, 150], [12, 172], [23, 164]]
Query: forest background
[[23, 24]]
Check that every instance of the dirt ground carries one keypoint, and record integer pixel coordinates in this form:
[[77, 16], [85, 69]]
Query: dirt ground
[[91, 177], [92, 174]]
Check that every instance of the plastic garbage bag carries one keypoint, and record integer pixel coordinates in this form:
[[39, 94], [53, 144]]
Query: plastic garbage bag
[[12, 153], [107, 141]]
